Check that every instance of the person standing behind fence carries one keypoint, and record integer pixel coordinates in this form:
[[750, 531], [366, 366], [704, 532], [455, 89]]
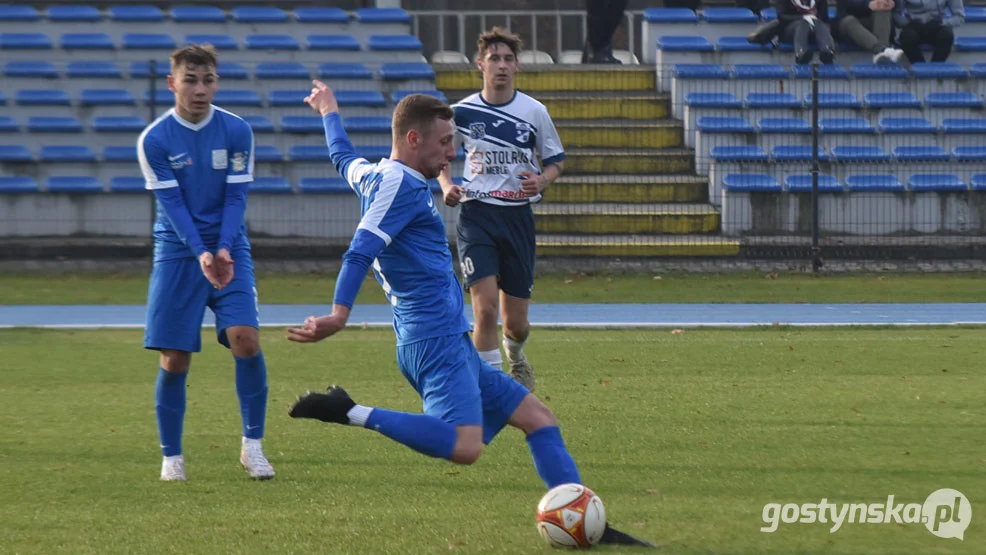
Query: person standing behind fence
[[869, 24], [928, 22], [602, 19], [804, 22]]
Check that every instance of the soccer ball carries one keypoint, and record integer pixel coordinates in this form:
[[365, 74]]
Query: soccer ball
[[571, 515]]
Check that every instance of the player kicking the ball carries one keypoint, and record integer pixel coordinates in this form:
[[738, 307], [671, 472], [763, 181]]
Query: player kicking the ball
[[466, 400], [198, 160], [504, 132]]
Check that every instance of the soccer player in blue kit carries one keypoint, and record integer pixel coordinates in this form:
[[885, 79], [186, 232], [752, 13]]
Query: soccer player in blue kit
[[402, 236], [198, 161]]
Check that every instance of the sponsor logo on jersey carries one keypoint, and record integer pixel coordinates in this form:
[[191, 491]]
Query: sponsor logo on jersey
[[239, 161], [179, 161]]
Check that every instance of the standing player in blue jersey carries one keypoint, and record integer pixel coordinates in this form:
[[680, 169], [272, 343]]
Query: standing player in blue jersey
[[505, 132], [401, 234], [198, 161]]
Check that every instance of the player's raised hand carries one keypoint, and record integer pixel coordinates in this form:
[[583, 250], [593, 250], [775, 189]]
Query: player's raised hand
[[208, 265], [322, 99], [532, 184], [317, 328], [223, 264]]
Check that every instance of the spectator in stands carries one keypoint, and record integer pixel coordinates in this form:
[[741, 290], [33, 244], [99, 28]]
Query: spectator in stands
[[869, 24], [928, 22], [803, 22], [602, 18]]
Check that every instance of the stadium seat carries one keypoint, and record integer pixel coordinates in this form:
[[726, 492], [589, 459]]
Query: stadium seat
[[332, 42], [393, 42], [271, 185], [74, 184], [940, 70], [320, 15], [729, 15], [344, 71], [857, 154], [953, 100], [924, 153], [25, 41], [308, 153], [970, 153], [44, 70], [3, 99], [120, 154], [907, 125], [281, 70], [128, 185], [796, 153], [531, 57], [289, 97], [43, 124], [964, 126], [376, 153], [220, 41], [18, 184], [118, 124], [369, 98], [93, 70], [15, 153], [453, 57], [802, 184], [875, 100], [825, 71], [232, 70], [148, 41], [143, 13], [716, 124], [874, 183], [670, 15], [87, 41], [42, 98], [19, 12], [970, 44], [74, 13], [846, 125], [760, 71], [975, 14], [772, 100], [259, 124], [700, 71], [978, 182], [198, 14], [392, 72], [267, 153], [878, 71], [686, 43], [935, 182], [234, 97], [324, 185], [751, 183], [143, 69], [783, 125], [162, 97], [8, 125], [272, 42], [382, 15], [367, 125], [302, 124], [106, 97], [725, 100], [740, 44], [835, 100], [66, 154], [739, 153], [259, 14], [397, 96]]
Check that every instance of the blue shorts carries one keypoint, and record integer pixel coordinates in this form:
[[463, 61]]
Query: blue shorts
[[178, 295], [457, 386], [495, 240]]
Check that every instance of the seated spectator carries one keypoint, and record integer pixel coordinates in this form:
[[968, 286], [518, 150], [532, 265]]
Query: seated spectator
[[925, 22], [803, 22], [869, 24]]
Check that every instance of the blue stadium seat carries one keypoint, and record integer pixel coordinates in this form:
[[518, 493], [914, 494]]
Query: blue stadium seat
[[289, 97], [970, 44], [32, 97], [751, 183], [74, 13], [712, 100], [783, 125], [271, 185], [74, 184], [232, 70], [878, 71], [740, 44], [118, 124], [760, 71], [143, 13], [802, 184], [8, 125], [716, 124], [87, 41], [367, 125], [25, 41], [371, 98], [198, 14], [978, 70], [259, 124], [964, 126], [302, 125], [825, 71], [935, 182], [940, 70], [739, 153], [375, 153], [978, 182], [271, 42], [220, 41], [15, 153], [67, 154], [670, 15], [835, 100], [3, 99], [162, 97], [19, 12], [858, 154], [308, 153], [281, 70], [907, 125], [320, 15], [143, 69], [120, 154], [324, 185], [393, 43], [106, 97], [772, 100], [796, 153], [267, 153], [701, 71], [344, 43], [923, 153], [259, 14], [148, 41], [970, 153], [344, 71], [391, 72], [382, 15], [128, 185], [44, 70], [688, 43], [729, 15], [397, 96], [872, 183], [975, 14], [953, 100], [846, 125], [18, 184], [93, 70], [891, 100], [233, 97]]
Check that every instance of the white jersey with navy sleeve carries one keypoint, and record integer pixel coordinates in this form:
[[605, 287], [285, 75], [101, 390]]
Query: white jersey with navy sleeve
[[501, 141], [200, 159]]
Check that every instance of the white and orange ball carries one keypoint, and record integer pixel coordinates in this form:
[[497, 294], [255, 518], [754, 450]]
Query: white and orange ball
[[571, 515]]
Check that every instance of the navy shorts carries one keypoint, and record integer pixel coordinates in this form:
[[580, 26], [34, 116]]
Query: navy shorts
[[179, 294], [499, 241], [457, 386]]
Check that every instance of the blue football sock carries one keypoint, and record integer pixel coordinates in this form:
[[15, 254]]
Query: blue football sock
[[251, 388], [551, 459], [169, 395], [425, 434]]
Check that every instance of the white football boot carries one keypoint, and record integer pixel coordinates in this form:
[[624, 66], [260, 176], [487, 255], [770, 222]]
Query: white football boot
[[253, 460], [173, 469]]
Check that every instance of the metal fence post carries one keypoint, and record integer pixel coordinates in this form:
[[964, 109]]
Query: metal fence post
[[816, 257]]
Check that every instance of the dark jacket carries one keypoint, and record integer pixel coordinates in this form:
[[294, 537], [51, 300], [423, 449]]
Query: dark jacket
[[787, 13], [857, 8]]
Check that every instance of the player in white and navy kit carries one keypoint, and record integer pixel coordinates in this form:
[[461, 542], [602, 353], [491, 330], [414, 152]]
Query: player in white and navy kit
[[198, 161], [512, 153]]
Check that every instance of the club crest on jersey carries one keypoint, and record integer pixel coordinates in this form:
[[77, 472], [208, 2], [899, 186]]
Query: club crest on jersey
[[477, 130], [523, 131], [239, 161], [219, 161]]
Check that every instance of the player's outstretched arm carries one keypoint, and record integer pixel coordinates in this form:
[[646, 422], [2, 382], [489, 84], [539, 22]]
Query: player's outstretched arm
[[349, 164]]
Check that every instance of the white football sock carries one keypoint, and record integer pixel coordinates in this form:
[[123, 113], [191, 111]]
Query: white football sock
[[514, 349], [358, 415], [493, 357]]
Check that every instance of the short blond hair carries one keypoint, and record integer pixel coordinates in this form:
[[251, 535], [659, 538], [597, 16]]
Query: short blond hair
[[194, 54]]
